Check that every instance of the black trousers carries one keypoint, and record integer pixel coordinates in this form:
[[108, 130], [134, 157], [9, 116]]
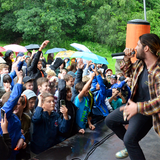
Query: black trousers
[[139, 126]]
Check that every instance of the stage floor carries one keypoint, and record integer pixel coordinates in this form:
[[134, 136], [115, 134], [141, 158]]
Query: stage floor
[[100, 144]]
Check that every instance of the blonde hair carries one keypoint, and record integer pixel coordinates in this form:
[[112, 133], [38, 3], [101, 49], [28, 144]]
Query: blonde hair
[[85, 78], [50, 72], [3, 66]]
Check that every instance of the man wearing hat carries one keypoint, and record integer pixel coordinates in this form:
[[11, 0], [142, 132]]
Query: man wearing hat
[[28, 82]]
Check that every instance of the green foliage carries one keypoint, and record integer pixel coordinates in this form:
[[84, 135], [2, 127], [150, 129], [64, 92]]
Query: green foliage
[[108, 24], [102, 21]]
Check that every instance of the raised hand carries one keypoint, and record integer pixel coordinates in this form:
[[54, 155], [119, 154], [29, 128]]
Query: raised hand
[[19, 75], [64, 111], [44, 44], [95, 68], [23, 58], [93, 75], [4, 124], [40, 99], [89, 63]]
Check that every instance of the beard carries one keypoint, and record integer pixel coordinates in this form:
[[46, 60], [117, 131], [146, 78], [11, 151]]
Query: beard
[[140, 55]]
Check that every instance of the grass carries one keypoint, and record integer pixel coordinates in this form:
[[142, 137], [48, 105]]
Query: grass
[[99, 49]]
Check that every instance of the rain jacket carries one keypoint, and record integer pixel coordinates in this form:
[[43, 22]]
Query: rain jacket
[[34, 72], [100, 95], [14, 124], [70, 106]]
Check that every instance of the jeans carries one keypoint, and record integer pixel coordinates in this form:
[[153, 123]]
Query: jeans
[[139, 126]]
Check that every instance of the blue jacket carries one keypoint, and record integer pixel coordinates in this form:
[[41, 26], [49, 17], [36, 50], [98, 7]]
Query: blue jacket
[[45, 129], [14, 124], [100, 96]]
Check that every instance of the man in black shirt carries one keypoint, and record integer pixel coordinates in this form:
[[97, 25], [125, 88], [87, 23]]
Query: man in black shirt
[[144, 94]]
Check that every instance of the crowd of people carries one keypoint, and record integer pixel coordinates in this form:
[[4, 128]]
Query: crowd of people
[[32, 92], [48, 101]]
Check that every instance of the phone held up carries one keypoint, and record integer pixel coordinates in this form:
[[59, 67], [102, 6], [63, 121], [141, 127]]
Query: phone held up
[[2, 113], [62, 102]]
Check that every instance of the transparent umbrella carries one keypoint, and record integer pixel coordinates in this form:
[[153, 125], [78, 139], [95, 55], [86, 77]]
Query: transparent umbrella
[[80, 47], [90, 56]]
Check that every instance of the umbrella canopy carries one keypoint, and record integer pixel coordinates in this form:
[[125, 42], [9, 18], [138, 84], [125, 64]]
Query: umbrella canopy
[[80, 47], [53, 50], [15, 48], [32, 47], [90, 56], [65, 54], [2, 49]]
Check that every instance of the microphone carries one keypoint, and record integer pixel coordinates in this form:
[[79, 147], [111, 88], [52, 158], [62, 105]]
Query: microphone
[[120, 54]]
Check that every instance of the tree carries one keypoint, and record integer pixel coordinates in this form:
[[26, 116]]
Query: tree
[[102, 21]]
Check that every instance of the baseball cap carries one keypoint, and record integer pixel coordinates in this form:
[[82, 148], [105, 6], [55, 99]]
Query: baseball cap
[[72, 74], [27, 79], [29, 94], [114, 76], [108, 70], [122, 78], [20, 54]]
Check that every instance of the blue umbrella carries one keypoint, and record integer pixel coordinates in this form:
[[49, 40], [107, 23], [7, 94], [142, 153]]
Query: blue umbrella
[[90, 56], [80, 47], [53, 50]]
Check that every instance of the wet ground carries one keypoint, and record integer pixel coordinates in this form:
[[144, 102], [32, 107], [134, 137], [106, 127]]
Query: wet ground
[[100, 144]]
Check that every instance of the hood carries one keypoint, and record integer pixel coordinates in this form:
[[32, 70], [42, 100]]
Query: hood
[[8, 53], [56, 63]]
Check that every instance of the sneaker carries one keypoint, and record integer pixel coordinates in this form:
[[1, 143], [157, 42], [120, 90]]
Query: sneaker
[[122, 154]]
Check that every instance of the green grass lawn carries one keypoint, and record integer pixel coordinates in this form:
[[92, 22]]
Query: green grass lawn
[[96, 48]]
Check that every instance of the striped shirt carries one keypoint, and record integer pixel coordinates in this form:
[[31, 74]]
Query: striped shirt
[[151, 107]]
